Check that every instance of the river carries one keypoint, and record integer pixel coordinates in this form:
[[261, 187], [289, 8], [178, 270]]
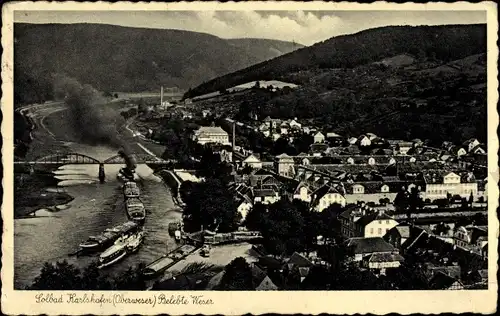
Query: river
[[52, 236]]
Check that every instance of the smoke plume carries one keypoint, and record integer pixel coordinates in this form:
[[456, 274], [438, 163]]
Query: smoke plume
[[129, 158], [93, 122]]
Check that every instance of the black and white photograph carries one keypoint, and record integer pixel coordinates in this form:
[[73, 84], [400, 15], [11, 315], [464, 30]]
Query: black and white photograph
[[251, 150]]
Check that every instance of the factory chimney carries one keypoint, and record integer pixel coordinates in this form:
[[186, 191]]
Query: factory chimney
[[234, 136], [161, 97]]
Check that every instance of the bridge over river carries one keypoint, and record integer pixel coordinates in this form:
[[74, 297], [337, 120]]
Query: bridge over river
[[81, 159]]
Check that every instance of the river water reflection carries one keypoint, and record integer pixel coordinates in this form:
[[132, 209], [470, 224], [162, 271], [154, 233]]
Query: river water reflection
[[52, 236]]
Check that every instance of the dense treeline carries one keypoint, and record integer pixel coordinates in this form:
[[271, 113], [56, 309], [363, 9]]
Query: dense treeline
[[115, 58], [442, 42]]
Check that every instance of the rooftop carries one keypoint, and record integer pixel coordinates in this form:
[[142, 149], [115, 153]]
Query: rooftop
[[369, 245]]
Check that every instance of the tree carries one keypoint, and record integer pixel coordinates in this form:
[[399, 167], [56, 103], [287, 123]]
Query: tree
[[284, 230], [131, 279], [256, 217], [212, 206], [441, 229], [92, 279], [401, 201], [471, 199], [58, 276], [237, 276], [329, 224]]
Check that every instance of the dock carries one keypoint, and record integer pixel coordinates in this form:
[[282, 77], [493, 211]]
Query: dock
[[168, 260]]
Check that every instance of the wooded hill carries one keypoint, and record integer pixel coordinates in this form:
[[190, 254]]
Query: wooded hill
[[116, 58], [445, 43]]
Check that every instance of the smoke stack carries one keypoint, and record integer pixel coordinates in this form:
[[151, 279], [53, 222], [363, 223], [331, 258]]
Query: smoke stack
[[234, 136], [161, 97]]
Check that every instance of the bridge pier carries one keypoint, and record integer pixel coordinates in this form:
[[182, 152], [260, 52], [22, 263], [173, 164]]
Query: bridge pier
[[102, 175]]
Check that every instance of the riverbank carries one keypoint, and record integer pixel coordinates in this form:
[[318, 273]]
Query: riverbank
[[31, 194]]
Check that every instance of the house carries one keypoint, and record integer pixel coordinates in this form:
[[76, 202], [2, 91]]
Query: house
[[471, 237], [285, 165], [298, 264], [306, 130], [376, 224], [364, 141], [403, 147], [360, 221], [440, 183], [352, 140], [252, 161], [319, 137], [211, 134], [266, 195], [294, 124], [379, 142], [371, 136], [458, 151], [284, 127], [276, 136], [263, 127], [267, 121], [326, 196], [332, 135], [302, 192], [478, 150], [364, 248], [276, 123], [383, 261], [398, 235], [417, 143], [188, 282], [206, 113], [318, 149], [471, 144], [370, 191], [260, 280], [442, 281]]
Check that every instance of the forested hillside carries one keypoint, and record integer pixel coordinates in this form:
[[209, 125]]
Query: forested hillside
[[445, 43], [115, 58]]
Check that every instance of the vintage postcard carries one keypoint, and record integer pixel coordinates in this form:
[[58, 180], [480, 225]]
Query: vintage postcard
[[257, 157]]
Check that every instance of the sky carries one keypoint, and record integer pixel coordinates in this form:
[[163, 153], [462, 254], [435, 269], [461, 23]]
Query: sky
[[304, 27]]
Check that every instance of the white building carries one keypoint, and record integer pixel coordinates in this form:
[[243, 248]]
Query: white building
[[252, 161], [326, 196], [364, 141], [439, 184], [319, 137], [211, 134], [303, 193]]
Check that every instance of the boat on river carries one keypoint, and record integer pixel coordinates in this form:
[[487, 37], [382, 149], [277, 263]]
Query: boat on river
[[110, 235], [135, 209], [168, 260], [125, 174], [122, 247], [131, 190]]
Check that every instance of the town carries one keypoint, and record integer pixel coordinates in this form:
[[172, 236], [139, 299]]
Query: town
[[329, 211]]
